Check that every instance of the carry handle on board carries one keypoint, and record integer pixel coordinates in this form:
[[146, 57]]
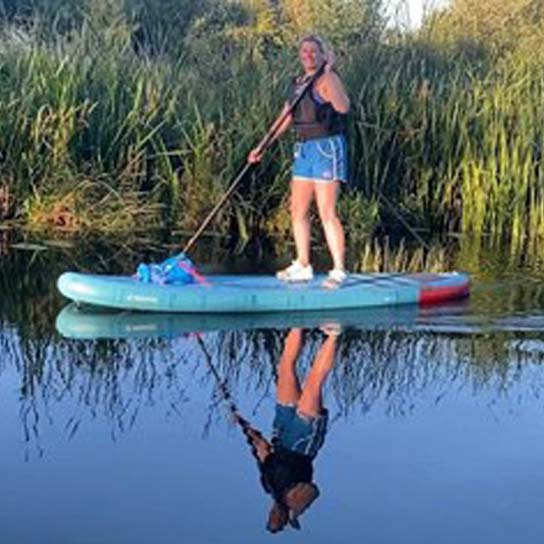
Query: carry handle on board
[[263, 145]]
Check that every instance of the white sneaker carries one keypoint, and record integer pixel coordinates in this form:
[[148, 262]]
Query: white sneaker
[[335, 279], [296, 272]]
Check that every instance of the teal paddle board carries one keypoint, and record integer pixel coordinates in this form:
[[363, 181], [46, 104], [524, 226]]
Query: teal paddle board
[[257, 294]]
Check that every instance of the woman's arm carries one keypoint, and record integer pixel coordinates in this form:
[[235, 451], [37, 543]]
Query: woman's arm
[[280, 127], [332, 89], [260, 447], [283, 126]]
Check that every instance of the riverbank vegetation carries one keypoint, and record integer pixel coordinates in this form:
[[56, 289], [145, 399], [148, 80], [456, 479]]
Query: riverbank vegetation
[[120, 116]]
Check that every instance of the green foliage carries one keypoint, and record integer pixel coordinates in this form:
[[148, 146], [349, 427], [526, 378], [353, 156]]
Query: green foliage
[[344, 23], [500, 27], [155, 103]]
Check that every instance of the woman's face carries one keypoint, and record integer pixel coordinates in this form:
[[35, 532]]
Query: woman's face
[[310, 56]]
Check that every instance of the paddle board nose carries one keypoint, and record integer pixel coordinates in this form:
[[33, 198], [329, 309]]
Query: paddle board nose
[[68, 285]]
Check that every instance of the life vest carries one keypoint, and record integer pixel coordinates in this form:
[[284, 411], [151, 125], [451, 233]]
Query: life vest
[[314, 117]]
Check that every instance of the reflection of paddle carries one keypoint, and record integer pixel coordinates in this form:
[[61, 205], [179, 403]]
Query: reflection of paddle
[[260, 447], [263, 145], [225, 393]]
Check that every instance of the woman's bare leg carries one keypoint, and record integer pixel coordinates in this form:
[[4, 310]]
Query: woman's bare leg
[[326, 196], [302, 193], [288, 392], [311, 403]]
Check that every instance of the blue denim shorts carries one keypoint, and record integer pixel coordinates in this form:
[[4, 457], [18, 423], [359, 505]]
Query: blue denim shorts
[[322, 160], [298, 433]]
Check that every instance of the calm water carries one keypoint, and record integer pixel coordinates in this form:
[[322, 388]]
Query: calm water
[[436, 427]]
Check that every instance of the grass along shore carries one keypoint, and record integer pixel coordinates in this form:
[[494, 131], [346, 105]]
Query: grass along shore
[[111, 126]]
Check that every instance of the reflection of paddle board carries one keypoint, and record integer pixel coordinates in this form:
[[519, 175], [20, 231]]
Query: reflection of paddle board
[[253, 294], [89, 322]]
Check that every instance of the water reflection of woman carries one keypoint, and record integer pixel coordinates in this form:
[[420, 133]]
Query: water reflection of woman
[[300, 425]]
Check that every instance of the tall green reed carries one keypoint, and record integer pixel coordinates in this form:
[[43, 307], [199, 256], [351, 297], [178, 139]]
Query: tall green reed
[[98, 116]]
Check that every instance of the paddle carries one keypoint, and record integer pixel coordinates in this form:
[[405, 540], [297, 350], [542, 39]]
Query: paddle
[[263, 145], [249, 432], [222, 386]]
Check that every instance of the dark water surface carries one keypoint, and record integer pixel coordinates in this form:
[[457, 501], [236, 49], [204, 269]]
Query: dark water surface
[[436, 427]]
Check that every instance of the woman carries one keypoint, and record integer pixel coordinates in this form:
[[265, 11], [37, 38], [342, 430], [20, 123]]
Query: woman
[[320, 160]]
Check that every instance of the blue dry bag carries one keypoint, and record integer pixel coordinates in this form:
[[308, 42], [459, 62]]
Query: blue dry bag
[[178, 270]]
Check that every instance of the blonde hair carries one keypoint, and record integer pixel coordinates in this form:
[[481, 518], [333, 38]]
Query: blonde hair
[[314, 38]]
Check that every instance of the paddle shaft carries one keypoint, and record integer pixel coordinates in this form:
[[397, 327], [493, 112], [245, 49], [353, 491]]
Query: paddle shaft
[[223, 389], [251, 434], [263, 145]]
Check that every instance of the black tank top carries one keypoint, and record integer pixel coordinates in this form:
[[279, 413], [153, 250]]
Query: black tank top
[[313, 117], [283, 469]]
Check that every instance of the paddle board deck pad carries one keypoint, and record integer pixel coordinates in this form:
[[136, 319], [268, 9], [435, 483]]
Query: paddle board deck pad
[[256, 294]]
